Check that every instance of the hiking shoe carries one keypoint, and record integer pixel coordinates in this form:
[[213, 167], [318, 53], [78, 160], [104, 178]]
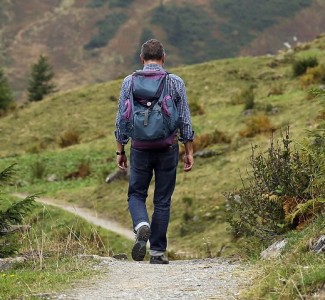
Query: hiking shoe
[[161, 260], [140, 247]]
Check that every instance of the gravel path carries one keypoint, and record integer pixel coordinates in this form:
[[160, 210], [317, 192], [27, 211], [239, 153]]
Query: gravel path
[[186, 279], [182, 279]]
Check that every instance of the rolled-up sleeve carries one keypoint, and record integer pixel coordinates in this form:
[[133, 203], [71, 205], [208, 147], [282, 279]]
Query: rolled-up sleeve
[[185, 123]]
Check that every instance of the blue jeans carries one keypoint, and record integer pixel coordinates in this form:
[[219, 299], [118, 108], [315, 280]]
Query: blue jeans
[[142, 166]]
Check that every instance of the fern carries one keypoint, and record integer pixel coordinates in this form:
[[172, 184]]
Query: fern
[[6, 174], [311, 206]]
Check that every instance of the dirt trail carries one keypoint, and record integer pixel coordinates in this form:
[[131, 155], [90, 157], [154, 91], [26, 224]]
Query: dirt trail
[[182, 279], [87, 214]]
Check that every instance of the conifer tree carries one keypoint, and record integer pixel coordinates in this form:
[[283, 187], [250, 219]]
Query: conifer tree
[[6, 96], [40, 83]]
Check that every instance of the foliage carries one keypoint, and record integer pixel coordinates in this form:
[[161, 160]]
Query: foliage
[[314, 75], [247, 17], [106, 30], [189, 25], [53, 245], [69, 138], [297, 274], [40, 83], [208, 139], [6, 97], [13, 215], [299, 67], [285, 189], [245, 96], [257, 124]]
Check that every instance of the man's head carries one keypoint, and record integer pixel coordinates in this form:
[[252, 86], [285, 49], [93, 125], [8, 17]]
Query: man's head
[[152, 50]]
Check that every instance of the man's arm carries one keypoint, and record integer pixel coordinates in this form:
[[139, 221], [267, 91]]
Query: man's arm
[[121, 158], [188, 156]]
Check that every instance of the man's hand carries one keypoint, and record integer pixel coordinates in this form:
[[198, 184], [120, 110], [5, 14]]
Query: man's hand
[[122, 162], [188, 162]]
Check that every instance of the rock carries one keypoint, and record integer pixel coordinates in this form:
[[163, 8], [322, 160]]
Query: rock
[[96, 257], [120, 256], [52, 178], [6, 263], [117, 175], [205, 153], [319, 246], [12, 228], [274, 251]]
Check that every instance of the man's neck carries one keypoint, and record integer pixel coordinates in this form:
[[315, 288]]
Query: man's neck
[[157, 62]]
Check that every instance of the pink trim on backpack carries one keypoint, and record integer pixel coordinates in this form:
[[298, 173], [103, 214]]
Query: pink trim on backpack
[[164, 105]]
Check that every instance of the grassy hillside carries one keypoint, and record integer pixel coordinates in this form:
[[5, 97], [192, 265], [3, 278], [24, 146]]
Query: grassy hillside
[[33, 138]]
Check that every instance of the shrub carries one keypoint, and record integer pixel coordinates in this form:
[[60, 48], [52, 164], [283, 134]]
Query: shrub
[[69, 138], [245, 96], [257, 124], [38, 169], [276, 89], [284, 191], [313, 76], [300, 67], [208, 139], [10, 216]]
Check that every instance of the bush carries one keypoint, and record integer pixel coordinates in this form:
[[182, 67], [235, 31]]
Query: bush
[[10, 216], [69, 138], [300, 67], [245, 96], [257, 124], [313, 75], [284, 191]]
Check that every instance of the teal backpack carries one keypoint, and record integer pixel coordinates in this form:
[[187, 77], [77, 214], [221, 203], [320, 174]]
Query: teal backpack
[[150, 116]]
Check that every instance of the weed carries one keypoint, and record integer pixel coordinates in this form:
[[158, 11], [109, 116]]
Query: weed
[[69, 138], [284, 191], [245, 96], [276, 89], [300, 66], [313, 75], [257, 124]]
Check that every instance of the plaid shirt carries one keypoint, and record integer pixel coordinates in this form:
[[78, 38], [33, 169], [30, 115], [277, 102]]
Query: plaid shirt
[[176, 88]]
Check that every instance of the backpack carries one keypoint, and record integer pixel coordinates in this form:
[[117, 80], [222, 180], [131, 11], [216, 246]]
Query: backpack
[[150, 116]]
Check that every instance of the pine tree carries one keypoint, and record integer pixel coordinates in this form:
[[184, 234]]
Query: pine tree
[[6, 97], [40, 82], [11, 216]]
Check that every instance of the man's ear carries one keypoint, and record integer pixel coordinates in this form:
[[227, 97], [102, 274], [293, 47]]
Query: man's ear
[[163, 58], [141, 59]]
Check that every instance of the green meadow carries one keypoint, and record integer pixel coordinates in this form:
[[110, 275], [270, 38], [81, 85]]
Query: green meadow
[[73, 132]]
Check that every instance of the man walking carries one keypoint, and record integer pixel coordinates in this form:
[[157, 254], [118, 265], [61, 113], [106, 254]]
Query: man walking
[[146, 160]]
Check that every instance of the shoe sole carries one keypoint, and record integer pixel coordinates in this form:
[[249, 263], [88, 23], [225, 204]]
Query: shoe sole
[[140, 247], [159, 263]]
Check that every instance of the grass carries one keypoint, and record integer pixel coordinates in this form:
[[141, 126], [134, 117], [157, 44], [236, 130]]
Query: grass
[[212, 86], [298, 273], [52, 246]]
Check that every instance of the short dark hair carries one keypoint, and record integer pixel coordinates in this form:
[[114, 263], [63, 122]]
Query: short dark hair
[[152, 50]]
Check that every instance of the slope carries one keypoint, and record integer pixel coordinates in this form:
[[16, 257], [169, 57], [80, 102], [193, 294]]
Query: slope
[[31, 137]]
